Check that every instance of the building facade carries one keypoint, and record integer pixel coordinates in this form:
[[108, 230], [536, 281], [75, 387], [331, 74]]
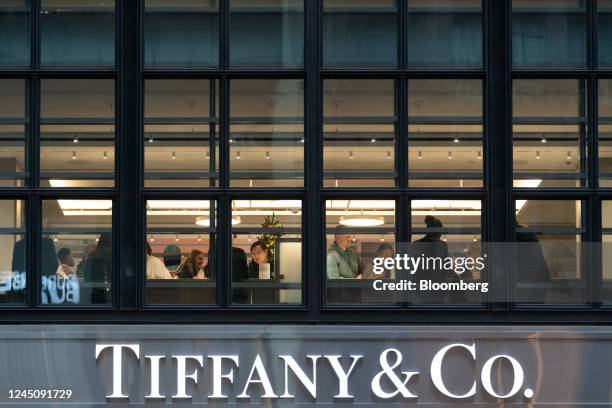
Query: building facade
[[198, 162]]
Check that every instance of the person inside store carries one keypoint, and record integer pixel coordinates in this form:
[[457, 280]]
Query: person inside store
[[432, 246], [531, 267], [260, 266], [342, 260], [193, 267], [240, 272], [99, 268], [48, 255], [80, 270], [384, 250], [155, 267], [67, 264]]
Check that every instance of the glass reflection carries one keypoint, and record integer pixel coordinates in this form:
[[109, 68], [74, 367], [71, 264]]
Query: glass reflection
[[444, 34], [360, 34], [13, 122], [76, 252], [181, 33], [266, 33], [15, 33], [77, 34]]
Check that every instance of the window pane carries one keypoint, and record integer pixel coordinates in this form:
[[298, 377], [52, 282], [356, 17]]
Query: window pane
[[267, 33], [443, 229], [356, 232], [548, 33], [13, 122], [605, 132], [77, 33], [15, 33], [445, 133], [181, 34], [548, 258], [445, 34], [359, 133], [77, 133], [604, 32], [606, 250], [266, 251], [14, 260], [181, 237], [76, 252], [549, 133], [267, 133], [181, 148], [360, 34]]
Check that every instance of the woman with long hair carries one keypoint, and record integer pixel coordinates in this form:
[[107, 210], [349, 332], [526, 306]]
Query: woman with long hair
[[193, 267]]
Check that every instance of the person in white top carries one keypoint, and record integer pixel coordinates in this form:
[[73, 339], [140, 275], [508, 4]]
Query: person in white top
[[66, 266], [155, 267]]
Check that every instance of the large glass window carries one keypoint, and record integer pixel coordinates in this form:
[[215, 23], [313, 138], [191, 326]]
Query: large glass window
[[266, 253], [266, 33], [359, 33], [356, 232], [267, 133], [604, 32], [549, 33], [77, 33], [76, 252], [180, 133], [605, 132], [447, 229], [549, 133], [548, 259], [606, 250], [181, 34], [15, 33], [445, 133], [359, 133], [179, 247], [13, 125], [15, 260], [77, 133], [445, 34]]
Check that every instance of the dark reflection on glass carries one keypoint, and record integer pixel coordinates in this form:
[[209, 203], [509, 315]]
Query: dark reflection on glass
[[181, 33], [266, 33], [548, 33], [267, 133], [360, 34], [549, 133], [445, 34], [76, 252], [13, 122], [445, 133], [604, 32], [77, 35], [359, 133], [179, 252], [77, 132], [15, 33], [266, 253], [180, 133], [13, 262], [549, 268]]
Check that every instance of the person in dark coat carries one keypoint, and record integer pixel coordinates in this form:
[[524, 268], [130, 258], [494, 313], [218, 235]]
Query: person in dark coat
[[99, 270], [531, 266]]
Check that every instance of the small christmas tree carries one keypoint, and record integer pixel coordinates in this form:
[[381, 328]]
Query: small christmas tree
[[270, 239]]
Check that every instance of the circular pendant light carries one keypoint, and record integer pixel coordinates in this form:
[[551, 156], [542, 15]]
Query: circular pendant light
[[204, 221], [362, 220]]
